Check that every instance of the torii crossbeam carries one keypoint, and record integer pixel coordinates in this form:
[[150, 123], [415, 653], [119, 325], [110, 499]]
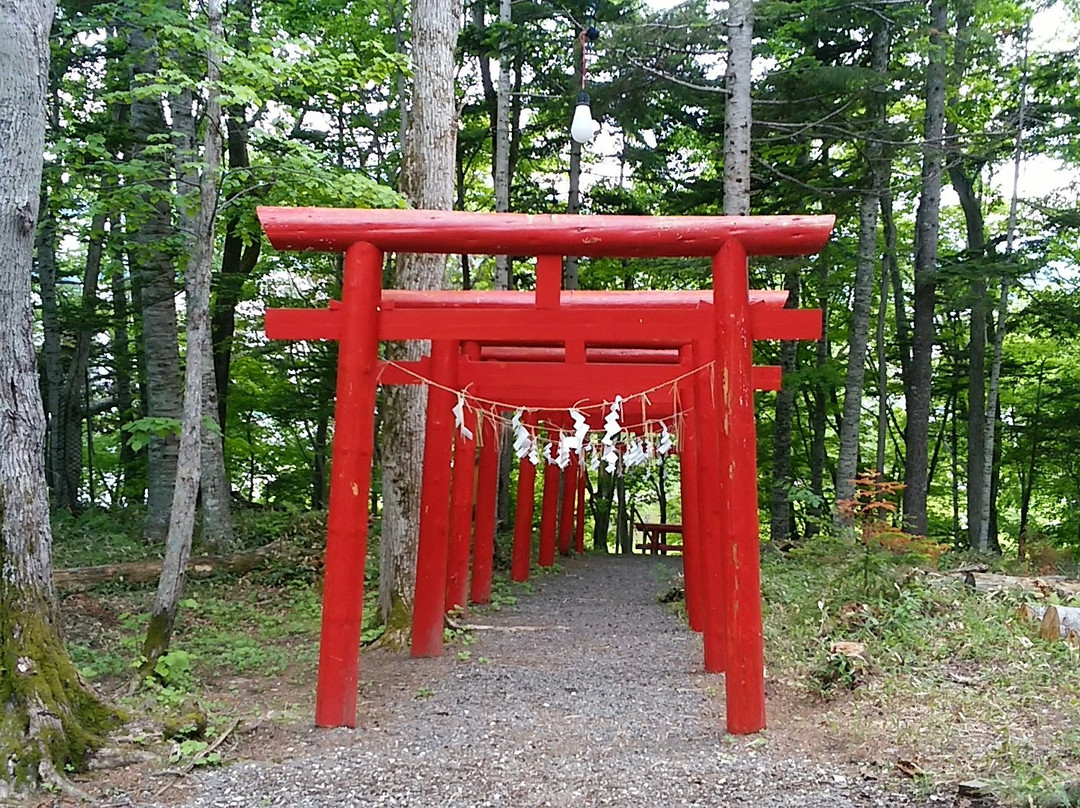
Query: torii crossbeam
[[719, 326]]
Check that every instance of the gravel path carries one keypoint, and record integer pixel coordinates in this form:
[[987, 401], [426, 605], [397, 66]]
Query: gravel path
[[606, 706]]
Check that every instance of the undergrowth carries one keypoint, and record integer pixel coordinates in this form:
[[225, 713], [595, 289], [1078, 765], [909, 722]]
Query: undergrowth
[[916, 665]]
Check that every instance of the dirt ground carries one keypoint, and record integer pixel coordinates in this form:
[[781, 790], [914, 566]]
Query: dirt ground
[[588, 677]]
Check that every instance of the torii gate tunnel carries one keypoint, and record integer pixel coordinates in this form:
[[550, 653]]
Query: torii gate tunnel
[[550, 349]]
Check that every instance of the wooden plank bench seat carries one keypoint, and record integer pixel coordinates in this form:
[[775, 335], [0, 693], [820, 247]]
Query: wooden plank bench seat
[[654, 537]]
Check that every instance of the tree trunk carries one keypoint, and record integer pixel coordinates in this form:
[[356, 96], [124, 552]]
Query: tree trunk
[[151, 230], [64, 494], [131, 486], [50, 719], [623, 538], [780, 522], [984, 540], [502, 139], [1027, 477], [427, 180], [600, 504], [217, 528], [818, 409], [927, 224], [847, 461], [963, 177], [182, 517], [737, 111], [73, 404], [238, 260]]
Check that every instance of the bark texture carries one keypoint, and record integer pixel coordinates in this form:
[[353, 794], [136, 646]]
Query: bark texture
[[427, 180], [217, 529], [737, 112], [49, 718], [847, 461], [927, 226], [182, 517], [151, 229]]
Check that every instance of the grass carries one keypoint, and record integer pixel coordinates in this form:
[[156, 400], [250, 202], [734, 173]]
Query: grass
[[953, 678]]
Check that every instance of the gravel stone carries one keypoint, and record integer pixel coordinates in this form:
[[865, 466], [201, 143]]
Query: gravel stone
[[608, 705]]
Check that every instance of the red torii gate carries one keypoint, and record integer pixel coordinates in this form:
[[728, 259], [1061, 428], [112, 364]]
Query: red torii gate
[[721, 332]]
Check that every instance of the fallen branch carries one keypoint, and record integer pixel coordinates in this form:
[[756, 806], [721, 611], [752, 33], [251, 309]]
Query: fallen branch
[[211, 748], [139, 572], [510, 629], [454, 625], [1047, 585]]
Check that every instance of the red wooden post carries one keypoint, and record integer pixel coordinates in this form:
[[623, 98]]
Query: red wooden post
[[579, 531], [461, 515], [350, 483], [427, 627], [487, 489], [568, 494], [710, 511], [741, 547], [523, 517], [549, 515], [689, 487]]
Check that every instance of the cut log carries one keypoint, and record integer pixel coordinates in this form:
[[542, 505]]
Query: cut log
[[1059, 621], [1046, 585], [1032, 613], [140, 572]]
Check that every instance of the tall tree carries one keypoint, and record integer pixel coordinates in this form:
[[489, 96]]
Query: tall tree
[[927, 226], [877, 177], [738, 114], [50, 718], [154, 270], [427, 180], [199, 355]]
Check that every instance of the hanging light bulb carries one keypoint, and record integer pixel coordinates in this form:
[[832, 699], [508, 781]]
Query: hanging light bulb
[[583, 128]]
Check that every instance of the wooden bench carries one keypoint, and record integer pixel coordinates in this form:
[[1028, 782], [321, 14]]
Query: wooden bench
[[654, 538]]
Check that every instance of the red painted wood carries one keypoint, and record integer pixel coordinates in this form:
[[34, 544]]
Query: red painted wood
[[548, 385], [549, 515], [661, 327], [548, 281], [350, 482], [523, 517], [689, 487], [569, 298], [740, 559], [431, 231], [579, 526], [567, 495], [427, 627], [710, 514], [508, 353], [461, 516], [487, 489], [622, 326]]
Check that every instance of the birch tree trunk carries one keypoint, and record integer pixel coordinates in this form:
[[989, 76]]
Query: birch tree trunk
[[502, 140], [987, 542], [738, 115], [49, 718], [927, 225], [427, 180], [182, 517]]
